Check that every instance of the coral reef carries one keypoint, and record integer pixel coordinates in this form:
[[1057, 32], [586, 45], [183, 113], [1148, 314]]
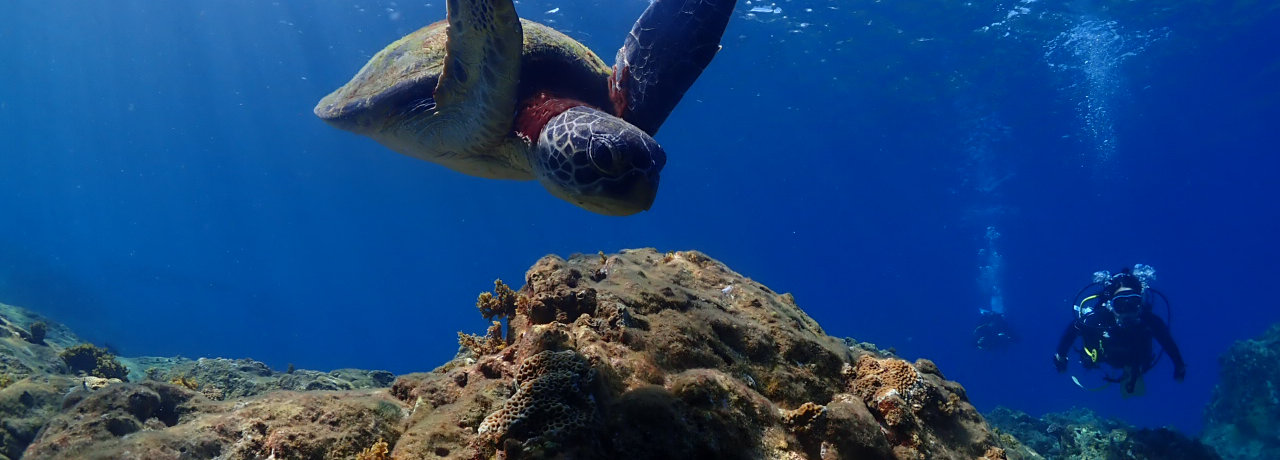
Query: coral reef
[[638, 355], [1081, 434], [1241, 420], [650, 355], [550, 406]]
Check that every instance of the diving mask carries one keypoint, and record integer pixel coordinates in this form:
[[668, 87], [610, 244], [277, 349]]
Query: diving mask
[[1127, 304]]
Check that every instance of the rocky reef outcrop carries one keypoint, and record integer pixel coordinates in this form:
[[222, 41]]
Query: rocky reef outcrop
[[30, 344], [634, 355], [1242, 420], [52, 388], [221, 378], [1082, 434], [650, 355], [32, 380], [159, 420]]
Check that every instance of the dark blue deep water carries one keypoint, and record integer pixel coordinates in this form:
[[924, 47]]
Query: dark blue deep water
[[164, 187]]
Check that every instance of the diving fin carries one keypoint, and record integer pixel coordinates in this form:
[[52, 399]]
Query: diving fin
[[1136, 388]]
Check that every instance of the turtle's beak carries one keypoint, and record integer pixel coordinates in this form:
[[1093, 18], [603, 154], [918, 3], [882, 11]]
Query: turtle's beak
[[635, 189], [621, 196], [644, 193], [638, 190]]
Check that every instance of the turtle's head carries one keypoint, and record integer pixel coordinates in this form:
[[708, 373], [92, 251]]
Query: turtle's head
[[598, 161]]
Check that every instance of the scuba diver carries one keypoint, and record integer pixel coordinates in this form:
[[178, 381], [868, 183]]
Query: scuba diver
[[993, 331], [1117, 329]]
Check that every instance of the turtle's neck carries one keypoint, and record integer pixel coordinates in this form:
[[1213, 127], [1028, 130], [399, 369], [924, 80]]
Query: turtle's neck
[[537, 110]]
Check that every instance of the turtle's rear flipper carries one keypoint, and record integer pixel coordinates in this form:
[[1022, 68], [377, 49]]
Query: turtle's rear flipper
[[665, 52]]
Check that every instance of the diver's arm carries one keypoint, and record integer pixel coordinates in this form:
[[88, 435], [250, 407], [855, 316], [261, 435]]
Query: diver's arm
[[1064, 345], [1160, 332], [1068, 337]]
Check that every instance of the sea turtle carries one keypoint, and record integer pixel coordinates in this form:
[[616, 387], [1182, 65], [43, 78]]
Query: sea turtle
[[489, 94]]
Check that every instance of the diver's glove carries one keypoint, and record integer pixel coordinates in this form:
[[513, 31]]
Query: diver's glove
[[1059, 362], [1179, 372]]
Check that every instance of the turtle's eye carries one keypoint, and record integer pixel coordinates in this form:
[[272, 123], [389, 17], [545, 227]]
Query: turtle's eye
[[605, 156]]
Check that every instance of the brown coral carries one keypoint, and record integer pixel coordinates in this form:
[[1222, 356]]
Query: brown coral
[[803, 415], [893, 409], [487, 344], [552, 402], [378, 451], [874, 377], [499, 303], [806, 423]]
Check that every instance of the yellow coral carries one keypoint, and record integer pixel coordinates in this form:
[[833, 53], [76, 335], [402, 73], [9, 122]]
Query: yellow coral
[[803, 415], [378, 451], [501, 302], [184, 381], [490, 343]]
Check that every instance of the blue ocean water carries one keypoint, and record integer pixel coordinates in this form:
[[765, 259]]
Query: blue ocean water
[[165, 189]]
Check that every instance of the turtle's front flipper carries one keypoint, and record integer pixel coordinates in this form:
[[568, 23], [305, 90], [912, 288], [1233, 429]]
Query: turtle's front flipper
[[476, 94], [664, 53]]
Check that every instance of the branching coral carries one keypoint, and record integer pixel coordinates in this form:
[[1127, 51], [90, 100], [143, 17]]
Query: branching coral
[[552, 402], [499, 303], [489, 343], [378, 451]]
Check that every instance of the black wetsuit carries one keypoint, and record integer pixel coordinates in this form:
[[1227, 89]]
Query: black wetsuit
[[993, 332], [1123, 346]]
